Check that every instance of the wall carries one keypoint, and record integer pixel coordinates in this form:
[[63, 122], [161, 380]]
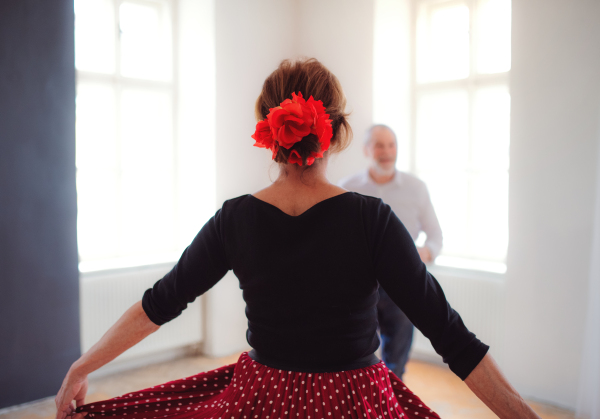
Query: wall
[[39, 301], [555, 90], [392, 72], [340, 34], [251, 39], [588, 400]]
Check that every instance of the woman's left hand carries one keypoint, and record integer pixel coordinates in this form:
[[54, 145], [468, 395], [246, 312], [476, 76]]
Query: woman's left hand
[[73, 388]]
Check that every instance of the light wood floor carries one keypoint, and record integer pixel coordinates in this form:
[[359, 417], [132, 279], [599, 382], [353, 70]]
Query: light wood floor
[[434, 384], [447, 395]]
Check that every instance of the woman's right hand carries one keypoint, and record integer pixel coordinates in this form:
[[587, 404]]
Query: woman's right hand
[[74, 388], [133, 326]]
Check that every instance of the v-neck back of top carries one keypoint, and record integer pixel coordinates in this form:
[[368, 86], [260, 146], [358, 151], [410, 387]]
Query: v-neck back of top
[[315, 207]]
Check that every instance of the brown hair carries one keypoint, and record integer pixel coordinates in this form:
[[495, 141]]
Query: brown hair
[[311, 78]]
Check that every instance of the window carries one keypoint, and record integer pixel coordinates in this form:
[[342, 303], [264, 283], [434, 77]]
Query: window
[[133, 151], [460, 124]]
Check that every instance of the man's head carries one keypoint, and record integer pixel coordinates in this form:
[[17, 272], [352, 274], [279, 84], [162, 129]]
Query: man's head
[[381, 149]]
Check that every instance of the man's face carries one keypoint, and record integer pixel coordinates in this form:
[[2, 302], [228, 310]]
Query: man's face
[[382, 150]]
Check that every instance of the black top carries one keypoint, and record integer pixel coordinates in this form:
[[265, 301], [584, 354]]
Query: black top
[[310, 282]]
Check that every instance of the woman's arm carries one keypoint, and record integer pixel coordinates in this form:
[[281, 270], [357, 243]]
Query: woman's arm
[[491, 386], [131, 328]]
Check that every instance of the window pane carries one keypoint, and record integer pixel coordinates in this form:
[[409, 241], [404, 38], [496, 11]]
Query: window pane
[[95, 35], [442, 131], [449, 195], [97, 179], [148, 191], [489, 216], [442, 42], [493, 36], [97, 213], [491, 129], [96, 126], [145, 40]]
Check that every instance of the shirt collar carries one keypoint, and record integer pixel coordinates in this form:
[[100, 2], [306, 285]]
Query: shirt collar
[[397, 179]]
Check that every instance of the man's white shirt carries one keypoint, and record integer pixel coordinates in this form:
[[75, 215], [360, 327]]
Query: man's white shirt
[[409, 199]]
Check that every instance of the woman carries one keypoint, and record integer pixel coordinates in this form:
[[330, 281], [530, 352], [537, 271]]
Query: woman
[[309, 257]]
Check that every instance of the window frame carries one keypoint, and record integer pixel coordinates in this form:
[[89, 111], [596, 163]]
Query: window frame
[[471, 84], [118, 83]]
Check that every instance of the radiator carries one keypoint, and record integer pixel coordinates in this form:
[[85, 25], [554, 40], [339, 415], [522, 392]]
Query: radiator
[[106, 295], [479, 299]]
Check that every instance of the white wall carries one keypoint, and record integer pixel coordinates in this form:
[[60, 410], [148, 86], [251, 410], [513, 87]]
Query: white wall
[[251, 39], [339, 33], [196, 115], [391, 72], [555, 89], [588, 400]]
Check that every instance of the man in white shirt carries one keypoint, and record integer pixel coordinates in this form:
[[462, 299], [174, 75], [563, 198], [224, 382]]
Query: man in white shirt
[[409, 199]]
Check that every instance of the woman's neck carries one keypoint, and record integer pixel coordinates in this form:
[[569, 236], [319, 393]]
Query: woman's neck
[[297, 189], [296, 177]]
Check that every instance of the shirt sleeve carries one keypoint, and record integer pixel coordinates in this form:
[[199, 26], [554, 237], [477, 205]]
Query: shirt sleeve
[[430, 225], [404, 277], [202, 264]]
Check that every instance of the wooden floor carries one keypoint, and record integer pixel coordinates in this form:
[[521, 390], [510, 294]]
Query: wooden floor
[[447, 395], [434, 384]]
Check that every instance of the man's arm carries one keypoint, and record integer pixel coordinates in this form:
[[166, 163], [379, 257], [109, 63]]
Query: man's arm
[[431, 226]]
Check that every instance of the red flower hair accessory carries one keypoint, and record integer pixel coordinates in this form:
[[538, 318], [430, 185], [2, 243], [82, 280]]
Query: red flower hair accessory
[[291, 121]]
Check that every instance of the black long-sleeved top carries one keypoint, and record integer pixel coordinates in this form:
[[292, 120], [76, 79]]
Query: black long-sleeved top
[[310, 281]]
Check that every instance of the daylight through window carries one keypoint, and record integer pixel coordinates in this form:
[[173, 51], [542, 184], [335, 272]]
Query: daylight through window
[[461, 125]]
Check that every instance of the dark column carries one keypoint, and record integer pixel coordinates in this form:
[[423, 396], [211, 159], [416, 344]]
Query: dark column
[[39, 290]]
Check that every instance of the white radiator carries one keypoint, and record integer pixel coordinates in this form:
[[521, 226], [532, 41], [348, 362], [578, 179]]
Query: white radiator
[[479, 299], [106, 295]]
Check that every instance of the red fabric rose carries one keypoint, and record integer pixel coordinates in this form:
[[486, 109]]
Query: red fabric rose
[[295, 158], [290, 122], [274, 149], [262, 135]]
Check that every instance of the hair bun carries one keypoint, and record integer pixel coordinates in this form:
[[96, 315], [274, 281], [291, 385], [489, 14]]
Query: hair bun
[[311, 78]]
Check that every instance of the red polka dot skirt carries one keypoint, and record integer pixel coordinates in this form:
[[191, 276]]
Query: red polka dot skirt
[[249, 390]]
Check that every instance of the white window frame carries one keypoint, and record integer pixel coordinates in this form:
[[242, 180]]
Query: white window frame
[[470, 84], [184, 129]]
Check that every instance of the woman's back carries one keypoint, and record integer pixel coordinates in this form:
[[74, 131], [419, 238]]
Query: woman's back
[[307, 280], [310, 282]]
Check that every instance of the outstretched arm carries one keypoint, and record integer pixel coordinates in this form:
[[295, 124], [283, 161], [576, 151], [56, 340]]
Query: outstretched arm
[[405, 278], [491, 386], [131, 328]]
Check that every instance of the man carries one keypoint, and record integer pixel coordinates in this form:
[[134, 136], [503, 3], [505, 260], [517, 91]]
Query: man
[[409, 199]]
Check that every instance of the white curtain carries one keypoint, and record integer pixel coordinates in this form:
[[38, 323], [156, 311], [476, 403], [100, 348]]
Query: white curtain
[[588, 404]]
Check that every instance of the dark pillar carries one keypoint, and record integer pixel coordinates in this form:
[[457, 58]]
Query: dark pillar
[[39, 290]]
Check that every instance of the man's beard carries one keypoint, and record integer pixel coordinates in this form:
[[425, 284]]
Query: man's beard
[[380, 171]]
